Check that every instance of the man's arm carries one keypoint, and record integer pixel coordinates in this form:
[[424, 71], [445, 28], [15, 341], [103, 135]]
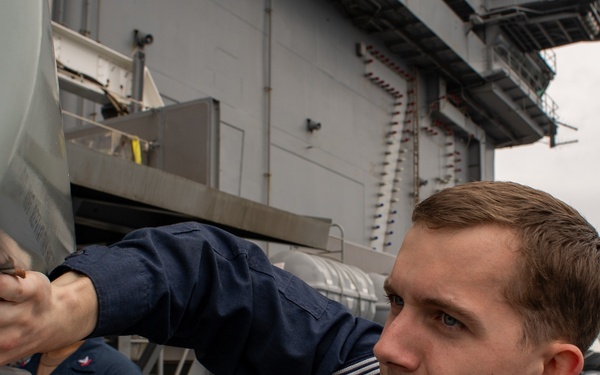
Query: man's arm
[[36, 316], [199, 287]]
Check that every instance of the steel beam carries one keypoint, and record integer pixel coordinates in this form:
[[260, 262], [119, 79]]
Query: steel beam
[[125, 179]]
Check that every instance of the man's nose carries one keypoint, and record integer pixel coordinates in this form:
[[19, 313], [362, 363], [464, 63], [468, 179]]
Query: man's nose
[[400, 343]]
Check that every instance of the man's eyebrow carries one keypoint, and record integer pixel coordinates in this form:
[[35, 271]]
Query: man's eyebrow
[[387, 286], [464, 315]]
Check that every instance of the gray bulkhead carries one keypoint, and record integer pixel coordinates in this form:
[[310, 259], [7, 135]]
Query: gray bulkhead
[[272, 71]]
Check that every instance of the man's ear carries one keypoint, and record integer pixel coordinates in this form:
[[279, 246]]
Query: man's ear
[[563, 359]]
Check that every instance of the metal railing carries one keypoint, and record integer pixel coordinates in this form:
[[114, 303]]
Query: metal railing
[[113, 142], [533, 79]]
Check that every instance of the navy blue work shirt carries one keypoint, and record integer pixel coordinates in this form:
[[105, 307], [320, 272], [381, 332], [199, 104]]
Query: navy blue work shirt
[[199, 287], [93, 357]]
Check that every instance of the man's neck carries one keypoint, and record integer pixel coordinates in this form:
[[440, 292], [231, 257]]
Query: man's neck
[[54, 358]]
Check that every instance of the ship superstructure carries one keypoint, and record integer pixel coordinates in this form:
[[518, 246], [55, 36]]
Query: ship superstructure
[[351, 111]]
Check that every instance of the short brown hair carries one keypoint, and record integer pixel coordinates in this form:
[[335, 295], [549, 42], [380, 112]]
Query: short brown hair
[[556, 287]]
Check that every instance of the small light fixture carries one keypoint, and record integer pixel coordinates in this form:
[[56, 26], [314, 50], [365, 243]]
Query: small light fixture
[[311, 126]]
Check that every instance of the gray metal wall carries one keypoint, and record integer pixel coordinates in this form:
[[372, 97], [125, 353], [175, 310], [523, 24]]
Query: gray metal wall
[[273, 70]]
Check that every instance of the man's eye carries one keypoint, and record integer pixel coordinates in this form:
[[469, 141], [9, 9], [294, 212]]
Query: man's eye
[[395, 300], [451, 322]]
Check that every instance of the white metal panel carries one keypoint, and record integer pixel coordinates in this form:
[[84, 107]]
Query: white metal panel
[[34, 183], [111, 69]]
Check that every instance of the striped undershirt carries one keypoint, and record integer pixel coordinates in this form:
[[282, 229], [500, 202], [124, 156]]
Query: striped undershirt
[[369, 366]]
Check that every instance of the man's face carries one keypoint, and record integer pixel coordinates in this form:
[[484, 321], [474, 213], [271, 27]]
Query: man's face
[[448, 313]]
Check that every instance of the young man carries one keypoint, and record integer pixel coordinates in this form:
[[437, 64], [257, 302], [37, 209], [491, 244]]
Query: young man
[[492, 278]]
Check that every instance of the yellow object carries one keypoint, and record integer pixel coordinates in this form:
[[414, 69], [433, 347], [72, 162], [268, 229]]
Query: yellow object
[[136, 149]]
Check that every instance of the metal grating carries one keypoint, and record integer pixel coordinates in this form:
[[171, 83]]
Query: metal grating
[[539, 25]]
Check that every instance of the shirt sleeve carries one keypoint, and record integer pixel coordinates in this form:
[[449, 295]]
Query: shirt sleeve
[[199, 287]]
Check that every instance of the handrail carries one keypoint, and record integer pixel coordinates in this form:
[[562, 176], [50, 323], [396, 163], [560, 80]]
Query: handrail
[[136, 141], [526, 74]]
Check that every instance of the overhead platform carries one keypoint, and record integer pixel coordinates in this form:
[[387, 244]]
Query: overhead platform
[[493, 95], [488, 82], [112, 196], [536, 25]]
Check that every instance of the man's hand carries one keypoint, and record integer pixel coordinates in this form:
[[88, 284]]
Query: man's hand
[[38, 316], [13, 259]]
